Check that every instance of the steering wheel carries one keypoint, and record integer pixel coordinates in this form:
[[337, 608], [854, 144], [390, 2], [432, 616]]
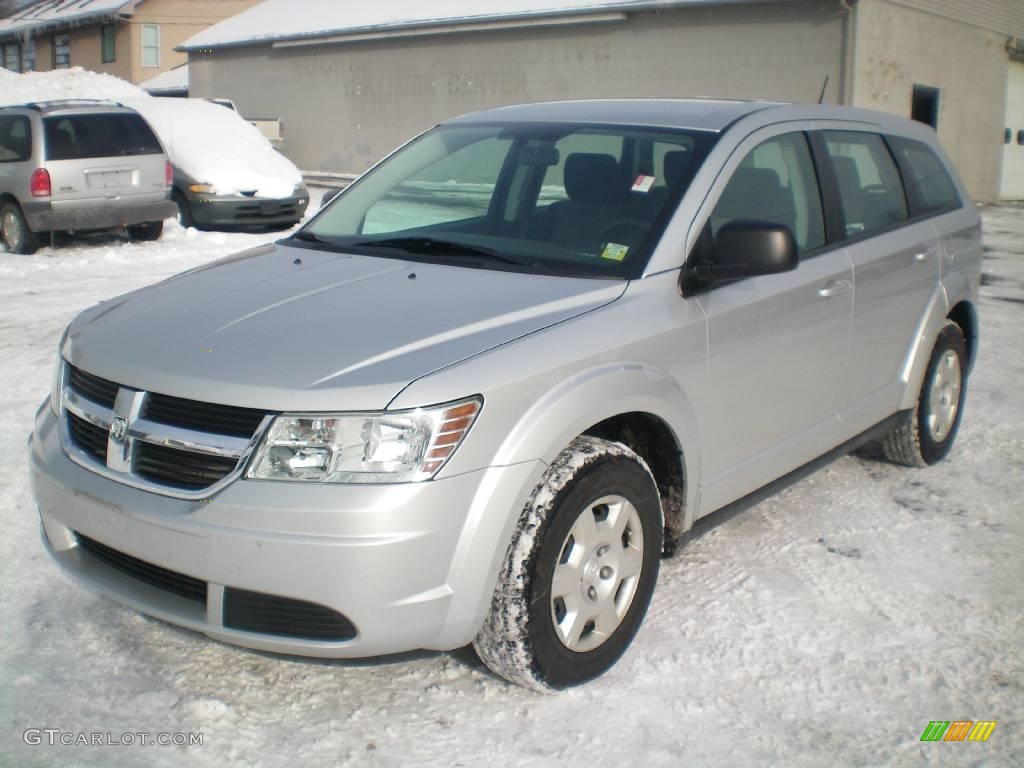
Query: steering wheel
[[638, 226]]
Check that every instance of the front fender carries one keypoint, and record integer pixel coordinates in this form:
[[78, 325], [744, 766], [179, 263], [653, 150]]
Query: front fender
[[593, 395]]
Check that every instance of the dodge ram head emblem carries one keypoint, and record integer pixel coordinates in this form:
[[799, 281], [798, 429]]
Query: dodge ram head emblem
[[118, 429]]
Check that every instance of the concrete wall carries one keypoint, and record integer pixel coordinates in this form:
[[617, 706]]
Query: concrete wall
[[345, 105], [898, 47]]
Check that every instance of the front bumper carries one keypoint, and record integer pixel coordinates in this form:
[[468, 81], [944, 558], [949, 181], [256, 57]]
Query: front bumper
[[246, 212], [43, 217], [411, 566]]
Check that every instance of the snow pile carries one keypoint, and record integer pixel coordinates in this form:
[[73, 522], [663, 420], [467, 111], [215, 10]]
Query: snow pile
[[212, 144], [74, 83], [215, 145]]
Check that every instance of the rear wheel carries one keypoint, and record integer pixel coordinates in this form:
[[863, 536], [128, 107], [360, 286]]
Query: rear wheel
[[147, 232], [14, 230], [580, 571], [184, 214], [925, 435]]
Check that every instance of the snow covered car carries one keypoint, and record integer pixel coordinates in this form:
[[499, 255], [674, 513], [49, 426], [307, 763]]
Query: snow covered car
[[485, 390], [77, 166], [227, 175]]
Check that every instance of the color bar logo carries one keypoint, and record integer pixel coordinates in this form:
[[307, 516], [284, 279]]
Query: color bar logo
[[958, 730]]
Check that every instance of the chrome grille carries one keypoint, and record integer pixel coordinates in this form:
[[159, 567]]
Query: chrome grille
[[93, 387], [157, 442]]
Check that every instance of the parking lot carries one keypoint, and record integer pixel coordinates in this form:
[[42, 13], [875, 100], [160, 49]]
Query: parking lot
[[827, 625]]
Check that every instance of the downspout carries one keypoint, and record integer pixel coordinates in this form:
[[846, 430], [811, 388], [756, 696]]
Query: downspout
[[849, 49]]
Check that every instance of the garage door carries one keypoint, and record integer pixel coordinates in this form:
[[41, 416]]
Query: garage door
[[1013, 153]]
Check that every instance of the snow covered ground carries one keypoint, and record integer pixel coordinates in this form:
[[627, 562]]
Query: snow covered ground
[[825, 626]]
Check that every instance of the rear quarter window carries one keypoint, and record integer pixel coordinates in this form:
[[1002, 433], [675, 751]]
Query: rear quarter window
[[15, 139], [929, 185], [80, 137]]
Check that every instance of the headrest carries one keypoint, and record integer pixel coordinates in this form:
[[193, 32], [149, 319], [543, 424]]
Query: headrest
[[846, 173], [676, 164], [594, 178]]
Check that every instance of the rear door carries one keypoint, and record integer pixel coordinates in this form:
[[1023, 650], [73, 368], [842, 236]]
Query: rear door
[[99, 158], [897, 264]]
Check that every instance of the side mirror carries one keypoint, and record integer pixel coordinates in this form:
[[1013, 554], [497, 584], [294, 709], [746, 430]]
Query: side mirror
[[330, 194], [745, 248]]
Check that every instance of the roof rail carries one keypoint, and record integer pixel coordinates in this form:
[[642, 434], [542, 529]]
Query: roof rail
[[39, 106]]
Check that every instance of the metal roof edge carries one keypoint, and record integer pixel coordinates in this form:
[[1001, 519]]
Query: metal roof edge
[[624, 6]]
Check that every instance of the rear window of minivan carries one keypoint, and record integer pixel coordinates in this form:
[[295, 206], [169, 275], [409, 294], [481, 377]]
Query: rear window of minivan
[[15, 139], [81, 137]]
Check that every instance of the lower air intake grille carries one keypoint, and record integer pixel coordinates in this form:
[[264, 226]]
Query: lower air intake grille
[[272, 615], [89, 437], [154, 575], [180, 469]]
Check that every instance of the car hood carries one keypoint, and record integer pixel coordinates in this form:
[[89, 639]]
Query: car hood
[[284, 328]]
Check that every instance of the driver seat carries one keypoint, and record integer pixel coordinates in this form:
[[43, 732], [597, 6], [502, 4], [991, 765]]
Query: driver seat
[[596, 186]]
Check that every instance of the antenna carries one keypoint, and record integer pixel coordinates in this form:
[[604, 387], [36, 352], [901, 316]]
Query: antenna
[[824, 87]]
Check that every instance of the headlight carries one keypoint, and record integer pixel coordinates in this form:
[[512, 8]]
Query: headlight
[[388, 447], [57, 380], [203, 189], [57, 384]]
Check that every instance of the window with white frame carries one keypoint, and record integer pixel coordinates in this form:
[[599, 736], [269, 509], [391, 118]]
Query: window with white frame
[[61, 51], [151, 45], [11, 56]]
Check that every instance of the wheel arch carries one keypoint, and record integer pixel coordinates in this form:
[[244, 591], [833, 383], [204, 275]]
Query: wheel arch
[[638, 405]]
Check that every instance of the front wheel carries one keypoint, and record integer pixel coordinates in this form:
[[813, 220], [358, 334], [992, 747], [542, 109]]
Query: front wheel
[[925, 435], [14, 231], [147, 232], [580, 571]]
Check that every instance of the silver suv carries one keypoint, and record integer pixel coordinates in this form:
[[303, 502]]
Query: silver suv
[[78, 166], [485, 390]]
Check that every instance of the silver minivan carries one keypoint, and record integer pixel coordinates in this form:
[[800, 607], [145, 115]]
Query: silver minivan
[[483, 391], [72, 166]]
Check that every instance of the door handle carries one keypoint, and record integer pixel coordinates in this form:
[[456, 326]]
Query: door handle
[[922, 256], [834, 288]]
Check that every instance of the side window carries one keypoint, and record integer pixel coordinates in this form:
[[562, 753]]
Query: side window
[[464, 178], [15, 139], [869, 182], [929, 185], [776, 183]]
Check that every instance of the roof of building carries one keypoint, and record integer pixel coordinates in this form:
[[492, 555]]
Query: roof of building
[[276, 21], [52, 15], [172, 81]]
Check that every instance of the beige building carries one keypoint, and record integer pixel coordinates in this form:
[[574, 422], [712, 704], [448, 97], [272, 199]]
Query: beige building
[[132, 40], [349, 81]]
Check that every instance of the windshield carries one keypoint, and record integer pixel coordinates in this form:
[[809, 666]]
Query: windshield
[[562, 199]]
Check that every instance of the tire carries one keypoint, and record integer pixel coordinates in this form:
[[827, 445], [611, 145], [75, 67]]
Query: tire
[[531, 635], [14, 231], [147, 232], [925, 435], [184, 213]]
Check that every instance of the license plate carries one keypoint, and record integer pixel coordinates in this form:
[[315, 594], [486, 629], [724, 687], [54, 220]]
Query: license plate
[[269, 209]]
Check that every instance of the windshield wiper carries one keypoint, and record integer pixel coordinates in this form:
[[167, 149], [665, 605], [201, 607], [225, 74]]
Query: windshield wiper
[[430, 245], [309, 237]]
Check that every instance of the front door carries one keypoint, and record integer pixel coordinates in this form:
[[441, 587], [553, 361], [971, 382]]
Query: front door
[[777, 343]]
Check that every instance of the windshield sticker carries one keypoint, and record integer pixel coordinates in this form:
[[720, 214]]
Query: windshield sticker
[[643, 183], [614, 252]]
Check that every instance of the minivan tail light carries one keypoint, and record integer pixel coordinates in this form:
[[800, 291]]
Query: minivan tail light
[[168, 174], [40, 183]]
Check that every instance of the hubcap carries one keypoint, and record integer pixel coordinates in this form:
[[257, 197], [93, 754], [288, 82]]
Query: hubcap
[[597, 573], [944, 396], [10, 230]]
